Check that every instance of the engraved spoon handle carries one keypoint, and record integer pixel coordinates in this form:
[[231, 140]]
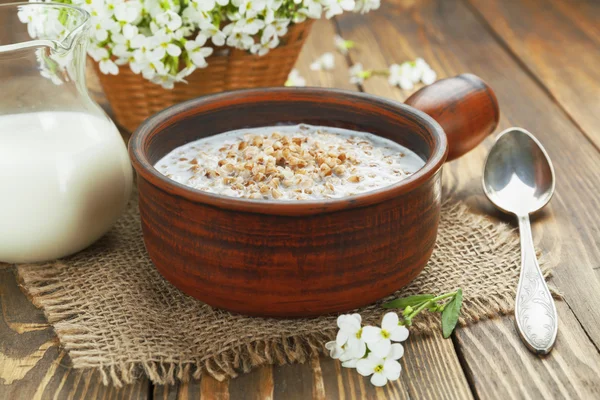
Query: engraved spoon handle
[[535, 312]]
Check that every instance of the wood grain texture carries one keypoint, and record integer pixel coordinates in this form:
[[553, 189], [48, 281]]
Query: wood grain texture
[[564, 231], [32, 365], [559, 43], [452, 40], [501, 370]]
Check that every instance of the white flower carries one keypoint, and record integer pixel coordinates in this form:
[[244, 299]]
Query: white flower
[[379, 340], [324, 62], [170, 20], [358, 74], [337, 7], [264, 46], [342, 45], [109, 67], [154, 37], [198, 53], [294, 79], [364, 6], [337, 352], [382, 369], [209, 30], [407, 74], [429, 76], [128, 12], [162, 43], [102, 26], [350, 334], [401, 75], [237, 39], [251, 8]]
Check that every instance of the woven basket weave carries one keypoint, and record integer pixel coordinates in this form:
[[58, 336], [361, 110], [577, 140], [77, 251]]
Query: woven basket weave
[[133, 98]]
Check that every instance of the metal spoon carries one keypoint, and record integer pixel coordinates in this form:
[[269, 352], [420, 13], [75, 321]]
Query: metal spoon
[[518, 178]]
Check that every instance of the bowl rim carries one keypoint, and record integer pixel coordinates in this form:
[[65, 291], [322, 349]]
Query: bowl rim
[[158, 121]]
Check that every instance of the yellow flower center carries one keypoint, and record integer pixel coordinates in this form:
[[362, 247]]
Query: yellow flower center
[[379, 368], [385, 334], [359, 333]]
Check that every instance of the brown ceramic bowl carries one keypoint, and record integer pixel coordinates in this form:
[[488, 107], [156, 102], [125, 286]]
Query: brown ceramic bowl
[[290, 259]]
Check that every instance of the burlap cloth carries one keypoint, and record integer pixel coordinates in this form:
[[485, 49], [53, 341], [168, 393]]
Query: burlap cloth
[[113, 312]]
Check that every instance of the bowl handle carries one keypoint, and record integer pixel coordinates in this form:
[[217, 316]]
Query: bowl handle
[[466, 108]]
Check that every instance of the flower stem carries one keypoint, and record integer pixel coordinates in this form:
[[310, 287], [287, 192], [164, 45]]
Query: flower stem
[[408, 318], [380, 72]]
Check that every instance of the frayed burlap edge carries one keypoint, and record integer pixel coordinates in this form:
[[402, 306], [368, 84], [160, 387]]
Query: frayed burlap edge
[[47, 292]]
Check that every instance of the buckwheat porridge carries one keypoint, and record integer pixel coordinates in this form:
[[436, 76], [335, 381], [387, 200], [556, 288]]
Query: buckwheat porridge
[[299, 162]]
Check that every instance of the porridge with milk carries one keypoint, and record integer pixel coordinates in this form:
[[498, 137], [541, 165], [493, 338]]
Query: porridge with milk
[[300, 162]]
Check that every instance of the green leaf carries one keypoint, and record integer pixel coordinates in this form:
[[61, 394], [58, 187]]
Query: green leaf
[[451, 313], [408, 301]]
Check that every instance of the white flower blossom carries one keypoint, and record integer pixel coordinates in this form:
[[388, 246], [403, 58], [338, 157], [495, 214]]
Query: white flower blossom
[[294, 79], [325, 62], [401, 75], [364, 6], [382, 369], [371, 357], [379, 340], [350, 334], [358, 74], [407, 74], [159, 38], [198, 53], [342, 45], [337, 7]]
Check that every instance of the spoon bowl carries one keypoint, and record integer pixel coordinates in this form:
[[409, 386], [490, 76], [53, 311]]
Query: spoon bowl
[[518, 176]]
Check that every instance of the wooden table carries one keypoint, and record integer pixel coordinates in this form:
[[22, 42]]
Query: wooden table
[[542, 58]]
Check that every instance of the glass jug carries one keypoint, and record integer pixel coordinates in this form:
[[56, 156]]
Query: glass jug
[[65, 175]]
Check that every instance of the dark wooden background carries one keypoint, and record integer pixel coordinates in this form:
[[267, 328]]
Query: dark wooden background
[[542, 57]]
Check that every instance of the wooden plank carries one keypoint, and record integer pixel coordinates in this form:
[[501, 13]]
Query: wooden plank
[[32, 365], [502, 370], [559, 42], [565, 231]]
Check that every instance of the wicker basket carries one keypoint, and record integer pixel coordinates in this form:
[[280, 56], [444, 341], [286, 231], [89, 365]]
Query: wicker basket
[[133, 98]]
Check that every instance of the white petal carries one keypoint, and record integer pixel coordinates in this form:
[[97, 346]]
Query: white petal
[[350, 363], [378, 379], [400, 334], [365, 366], [198, 60], [429, 76], [371, 334], [129, 31], [381, 348], [392, 369], [405, 83], [191, 45], [350, 324], [396, 352], [218, 39], [101, 35], [206, 51], [341, 318], [173, 50], [390, 321], [315, 66], [341, 338], [357, 347], [330, 345], [357, 317]]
